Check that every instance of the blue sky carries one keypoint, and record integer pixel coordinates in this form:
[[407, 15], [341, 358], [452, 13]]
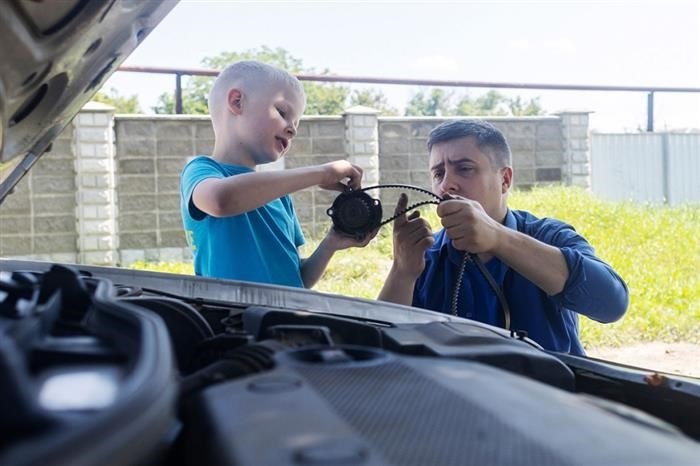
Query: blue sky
[[623, 43]]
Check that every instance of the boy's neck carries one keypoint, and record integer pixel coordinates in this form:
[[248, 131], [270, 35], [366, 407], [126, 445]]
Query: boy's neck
[[230, 156]]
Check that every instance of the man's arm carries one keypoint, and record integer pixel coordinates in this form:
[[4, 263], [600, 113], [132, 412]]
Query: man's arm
[[569, 272], [412, 236], [398, 287], [471, 229], [541, 263], [222, 197], [594, 288]]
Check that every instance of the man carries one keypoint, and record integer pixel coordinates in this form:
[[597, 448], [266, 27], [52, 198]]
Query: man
[[548, 273]]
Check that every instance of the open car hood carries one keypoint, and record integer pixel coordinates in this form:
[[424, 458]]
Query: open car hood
[[54, 58]]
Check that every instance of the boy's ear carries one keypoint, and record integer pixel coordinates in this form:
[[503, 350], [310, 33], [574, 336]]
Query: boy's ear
[[234, 98]]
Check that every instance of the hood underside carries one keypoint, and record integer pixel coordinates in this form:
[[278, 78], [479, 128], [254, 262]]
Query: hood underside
[[54, 57]]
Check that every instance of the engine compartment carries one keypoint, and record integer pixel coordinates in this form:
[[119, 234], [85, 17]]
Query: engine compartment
[[144, 375]]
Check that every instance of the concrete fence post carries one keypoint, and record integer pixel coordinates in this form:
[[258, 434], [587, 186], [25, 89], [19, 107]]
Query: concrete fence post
[[577, 153], [96, 210], [362, 141]]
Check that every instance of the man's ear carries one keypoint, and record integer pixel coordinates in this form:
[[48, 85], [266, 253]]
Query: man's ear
[[507, 179], [234, 101]]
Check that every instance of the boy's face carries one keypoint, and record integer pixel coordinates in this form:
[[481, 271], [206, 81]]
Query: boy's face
[[459, 167], [269, 121]]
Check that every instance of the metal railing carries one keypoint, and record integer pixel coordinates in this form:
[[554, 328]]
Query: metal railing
[[650, 90]]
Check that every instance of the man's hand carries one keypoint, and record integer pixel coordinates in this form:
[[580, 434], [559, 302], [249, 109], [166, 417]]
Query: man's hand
[[338, 175], [412, 236], [468, 225]]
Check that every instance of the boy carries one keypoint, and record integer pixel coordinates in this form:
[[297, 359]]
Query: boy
[[240, 223]]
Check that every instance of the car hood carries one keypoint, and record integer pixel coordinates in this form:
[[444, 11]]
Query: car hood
[[55, 56]]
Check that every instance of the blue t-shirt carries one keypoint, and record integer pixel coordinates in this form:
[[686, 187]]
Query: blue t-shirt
[[593, 287], [256, 246]]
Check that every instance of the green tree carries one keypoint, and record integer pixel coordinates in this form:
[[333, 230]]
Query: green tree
[[373, 98], [325, 99], [321, 99], [437, 103], [193, 101], [121, 104], [491, 103], [519, 107]]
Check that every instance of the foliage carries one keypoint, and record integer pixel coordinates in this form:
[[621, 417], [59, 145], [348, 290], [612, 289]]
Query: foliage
[[321, 99], [333, 99], [656, 250], [436, 103], [121, 104], [520, 108], [373, 98], [439, 102], [194, 97], [325, 99], [182, 268]]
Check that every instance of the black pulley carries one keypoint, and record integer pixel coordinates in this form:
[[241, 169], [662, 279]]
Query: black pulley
[[356, 213]]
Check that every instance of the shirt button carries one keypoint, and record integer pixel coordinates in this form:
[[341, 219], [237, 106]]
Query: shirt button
[[468, 314]]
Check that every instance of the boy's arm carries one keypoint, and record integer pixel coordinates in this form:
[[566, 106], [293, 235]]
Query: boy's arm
[[222, 197], [312, 268]]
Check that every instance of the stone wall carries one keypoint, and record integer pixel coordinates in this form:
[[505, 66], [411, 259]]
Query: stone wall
[[538, 145], [108, 192], [38, 219], [319, 140], [150, 152]]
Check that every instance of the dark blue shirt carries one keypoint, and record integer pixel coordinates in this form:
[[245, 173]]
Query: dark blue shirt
[[593, 288]]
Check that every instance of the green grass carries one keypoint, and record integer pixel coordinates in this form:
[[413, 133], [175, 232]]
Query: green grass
[[656, 249]]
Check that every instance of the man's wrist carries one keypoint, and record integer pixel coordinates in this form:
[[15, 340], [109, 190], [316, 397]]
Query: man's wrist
[[502, 240], [402, 273]]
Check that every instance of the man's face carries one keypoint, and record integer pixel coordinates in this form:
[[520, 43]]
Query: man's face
[[272, 118], [460, 167]]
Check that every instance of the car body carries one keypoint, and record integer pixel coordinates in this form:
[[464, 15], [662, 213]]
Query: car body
[[101, 365]]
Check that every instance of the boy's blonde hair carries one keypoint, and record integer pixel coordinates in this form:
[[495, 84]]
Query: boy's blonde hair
[[251, 76]]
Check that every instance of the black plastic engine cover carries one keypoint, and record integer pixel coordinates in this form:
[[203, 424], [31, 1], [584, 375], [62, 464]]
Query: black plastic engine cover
[[351, 405]]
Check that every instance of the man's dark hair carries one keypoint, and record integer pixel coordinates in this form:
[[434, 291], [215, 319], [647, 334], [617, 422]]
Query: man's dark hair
[[489, 139]]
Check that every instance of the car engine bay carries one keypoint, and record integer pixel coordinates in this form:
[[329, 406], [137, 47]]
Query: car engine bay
[[134, 373]]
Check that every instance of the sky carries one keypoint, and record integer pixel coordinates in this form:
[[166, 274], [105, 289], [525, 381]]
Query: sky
[[617, 43]]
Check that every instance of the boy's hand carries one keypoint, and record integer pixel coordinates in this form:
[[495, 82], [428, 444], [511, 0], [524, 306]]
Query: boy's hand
[[338, 240], [338, 175]]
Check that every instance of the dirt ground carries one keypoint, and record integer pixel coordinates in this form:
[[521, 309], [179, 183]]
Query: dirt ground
[[674, 358]]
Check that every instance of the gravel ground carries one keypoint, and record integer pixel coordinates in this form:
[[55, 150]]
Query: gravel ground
[[674, 358]]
